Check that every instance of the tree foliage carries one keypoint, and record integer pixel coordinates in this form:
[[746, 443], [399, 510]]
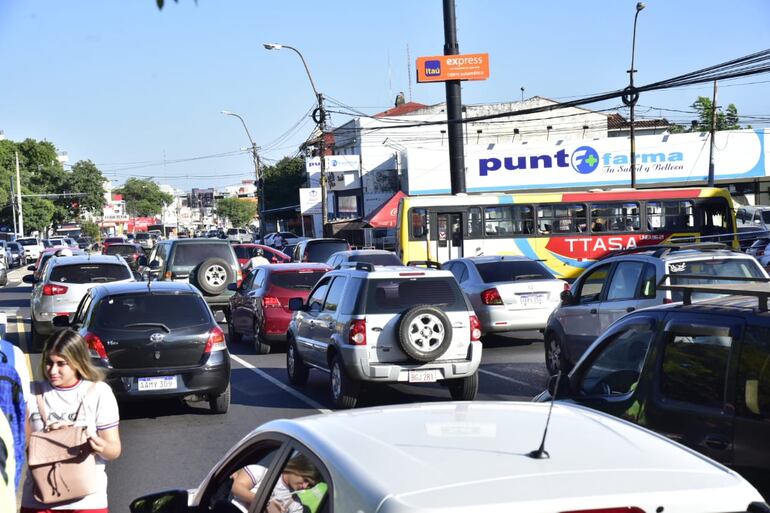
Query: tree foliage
[[85, 178], [727, 119], [283, 181], [238, 211], [143, 197], [38, 214], [90, 229]]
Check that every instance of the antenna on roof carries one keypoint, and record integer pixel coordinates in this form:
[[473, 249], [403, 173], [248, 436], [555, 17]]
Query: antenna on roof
[[540, 453]]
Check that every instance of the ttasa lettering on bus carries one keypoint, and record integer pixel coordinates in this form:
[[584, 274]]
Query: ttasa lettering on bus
[[599, 244], [531, 162]]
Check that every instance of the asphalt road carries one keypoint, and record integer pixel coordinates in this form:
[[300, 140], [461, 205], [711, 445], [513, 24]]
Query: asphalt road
[[172, 444]]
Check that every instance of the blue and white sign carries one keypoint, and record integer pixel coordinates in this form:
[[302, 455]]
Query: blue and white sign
[[343, 172]]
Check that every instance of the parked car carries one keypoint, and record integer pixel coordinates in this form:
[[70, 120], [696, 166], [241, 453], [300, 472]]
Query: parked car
[[260, 306], [697, 372], [245, 252], [63, 284], [129, 252], [239, 235], [385, 325], [208, 264], [508, 293], [286, 237], [372, 256], [619, 284], [318, 250], [155, 342], [145, 240], [465, 458], [32, 248]]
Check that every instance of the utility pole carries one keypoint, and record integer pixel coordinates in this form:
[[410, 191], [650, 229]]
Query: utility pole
[[13, 206], [18, 196], [322, 147], [454, 105], [713, 133]]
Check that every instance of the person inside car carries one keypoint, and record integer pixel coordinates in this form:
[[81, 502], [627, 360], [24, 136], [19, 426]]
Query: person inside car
[[298, 474]]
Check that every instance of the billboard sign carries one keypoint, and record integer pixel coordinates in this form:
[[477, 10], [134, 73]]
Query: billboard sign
[[310, 201], [342, 171], [440, 68]]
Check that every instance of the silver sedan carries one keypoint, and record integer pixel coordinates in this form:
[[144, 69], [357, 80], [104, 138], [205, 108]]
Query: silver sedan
[[508, 293]]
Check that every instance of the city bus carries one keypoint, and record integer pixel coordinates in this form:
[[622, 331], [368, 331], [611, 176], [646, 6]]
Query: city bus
[[566, 231]]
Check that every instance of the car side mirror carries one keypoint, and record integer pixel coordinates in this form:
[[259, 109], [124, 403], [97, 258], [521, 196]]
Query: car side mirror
[[31, 267], [567, 298], [61, 321], [170, 501], [296, 304], [142, 261], [564, 386], [29, 278]]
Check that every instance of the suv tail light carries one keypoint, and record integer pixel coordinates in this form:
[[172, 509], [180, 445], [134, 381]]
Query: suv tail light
[[239, 277], [357, 334], [95, 346], [54, 290], [491, 297], [216, 341], [270, 301], [475, 329]]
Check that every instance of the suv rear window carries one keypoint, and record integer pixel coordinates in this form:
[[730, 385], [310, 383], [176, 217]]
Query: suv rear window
[[297, 280], [512, 270], [233, 231], [321, 250], [89, 273], [395, 295], [734, 267], [27, 242], [377, 259], [190, 255], [120, 249], [142, 236], [172, 310], [244, 251]]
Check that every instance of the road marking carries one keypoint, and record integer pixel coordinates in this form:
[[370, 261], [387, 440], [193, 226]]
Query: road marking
[[21, 334], [507, 378], [302, 397]]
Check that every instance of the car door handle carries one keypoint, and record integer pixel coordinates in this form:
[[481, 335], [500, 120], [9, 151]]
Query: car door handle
[[630, 309], [593, 310], [718, 442]]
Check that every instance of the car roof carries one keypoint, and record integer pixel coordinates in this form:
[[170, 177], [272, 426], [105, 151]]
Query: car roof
[[295, 266], [407, 448], [134, 287], [391, 271], [495, 258], [87, 259], [356, 252]]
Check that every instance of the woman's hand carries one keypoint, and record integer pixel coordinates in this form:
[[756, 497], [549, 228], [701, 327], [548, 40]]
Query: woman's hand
[[106, 443], [275, 506]]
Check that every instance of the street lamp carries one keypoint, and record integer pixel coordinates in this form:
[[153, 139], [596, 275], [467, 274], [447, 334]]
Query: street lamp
[[319, 116], [257, 175], [631, 96]]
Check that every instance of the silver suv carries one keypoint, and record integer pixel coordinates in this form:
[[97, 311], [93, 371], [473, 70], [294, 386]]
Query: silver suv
[[393, 324], [627, 281]]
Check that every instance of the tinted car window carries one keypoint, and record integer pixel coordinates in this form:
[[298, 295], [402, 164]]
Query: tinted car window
[[376, 259], [396, 295], [242, 252], [301, 280], [335, 294], [316, 300], [753, 386], [89, 273], [190, 255], [320, 251], [142, 236], [171, 310], [114, 240], [512, 270], [120, 249], [27, 242], [740, 267]]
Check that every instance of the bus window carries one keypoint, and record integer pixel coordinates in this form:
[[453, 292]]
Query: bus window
[[560, 218], [674, 215], [498, 221], [615, 217], [474, 222], [419, 223], [523, 219], [713, 217]]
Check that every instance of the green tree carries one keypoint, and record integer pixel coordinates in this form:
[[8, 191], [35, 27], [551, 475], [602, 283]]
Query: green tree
[[283, 181], [726, 120], [38, 214], [90, 229], [143, 197], [85, 178], [238, 211]]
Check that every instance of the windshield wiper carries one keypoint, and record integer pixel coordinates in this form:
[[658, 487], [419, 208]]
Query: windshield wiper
[[148, 325]]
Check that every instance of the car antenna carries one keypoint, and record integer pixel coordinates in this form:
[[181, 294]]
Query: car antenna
[[540, 453]]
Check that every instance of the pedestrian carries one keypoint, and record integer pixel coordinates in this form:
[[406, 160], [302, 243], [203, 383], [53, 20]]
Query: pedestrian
[[14, 394], [74, 393], [278, 241]]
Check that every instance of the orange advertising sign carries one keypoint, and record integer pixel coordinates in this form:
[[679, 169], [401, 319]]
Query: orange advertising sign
[[440, 68]]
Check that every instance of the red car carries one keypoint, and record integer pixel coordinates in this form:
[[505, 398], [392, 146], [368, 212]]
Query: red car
[[113, 240], [260, 306], [245, 252]]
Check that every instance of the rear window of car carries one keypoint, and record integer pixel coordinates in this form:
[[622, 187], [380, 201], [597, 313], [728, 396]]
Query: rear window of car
[[27, 242], [114, 239], [143, 310], [120, 249], [232, 231], [89, 273], [512, 270], [142, 236], [320, 251], [297, 280], [713, 269], [190, 255], [377, 259], [243, 251], [398, 294]]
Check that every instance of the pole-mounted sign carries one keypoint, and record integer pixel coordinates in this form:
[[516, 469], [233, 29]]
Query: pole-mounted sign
[[440, 68]]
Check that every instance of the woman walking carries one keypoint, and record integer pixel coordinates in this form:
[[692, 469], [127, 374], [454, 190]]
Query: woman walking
[[73, 393]]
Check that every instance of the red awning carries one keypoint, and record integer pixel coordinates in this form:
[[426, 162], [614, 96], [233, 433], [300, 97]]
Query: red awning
[[384, 216]]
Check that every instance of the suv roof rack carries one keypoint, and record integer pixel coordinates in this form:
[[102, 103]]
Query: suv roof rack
[[431, 264], [660, 250], [364, 266], [744, 286]]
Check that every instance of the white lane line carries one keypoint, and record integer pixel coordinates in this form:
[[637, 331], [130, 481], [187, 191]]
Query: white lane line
[[21, 333], [302, 397], [507, 378]]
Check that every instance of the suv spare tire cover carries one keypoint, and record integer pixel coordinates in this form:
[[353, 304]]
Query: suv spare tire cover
[[212, 276], [424, 333]]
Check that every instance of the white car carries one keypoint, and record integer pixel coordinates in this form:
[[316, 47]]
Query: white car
[[32, 248], [464, 458]]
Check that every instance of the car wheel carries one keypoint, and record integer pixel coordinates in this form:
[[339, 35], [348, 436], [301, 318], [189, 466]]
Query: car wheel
[[233, 336], [213, 276], [555, 359], [296, 369], [260, 346], [424, 333], [344, 391], [464, 389], [220, 403]]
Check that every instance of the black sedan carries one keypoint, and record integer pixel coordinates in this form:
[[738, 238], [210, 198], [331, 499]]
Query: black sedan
[[155, 340]]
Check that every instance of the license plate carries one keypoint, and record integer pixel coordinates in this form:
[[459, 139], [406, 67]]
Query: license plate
[[161, 383], [532, 299], [424, 376]]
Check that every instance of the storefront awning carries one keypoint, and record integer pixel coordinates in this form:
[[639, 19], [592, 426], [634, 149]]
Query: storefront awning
[[384, 216]]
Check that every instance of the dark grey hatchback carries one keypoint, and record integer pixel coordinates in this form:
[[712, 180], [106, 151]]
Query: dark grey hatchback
[[155, 340]]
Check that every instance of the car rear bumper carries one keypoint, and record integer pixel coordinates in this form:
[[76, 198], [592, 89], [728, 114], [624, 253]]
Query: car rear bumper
[[500, 319]]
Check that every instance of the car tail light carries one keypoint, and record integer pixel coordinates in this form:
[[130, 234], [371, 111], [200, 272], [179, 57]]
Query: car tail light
[[95, 346], [270, 301], [54, 290], [475, 329], [357, 334], [216, 341], [491, 297], [239, 277]]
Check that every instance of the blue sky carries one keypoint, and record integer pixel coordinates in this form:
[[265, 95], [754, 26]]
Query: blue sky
[[139, 91]]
